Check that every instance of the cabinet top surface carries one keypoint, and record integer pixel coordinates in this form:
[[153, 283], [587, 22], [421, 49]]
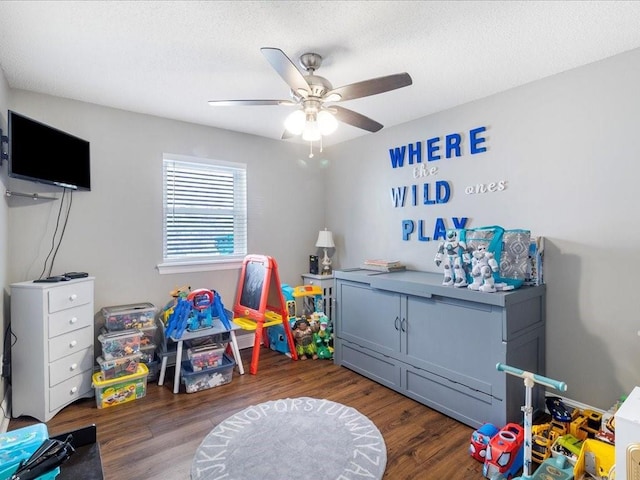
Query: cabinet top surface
[[315, 276], [426, 284], [32, 284]]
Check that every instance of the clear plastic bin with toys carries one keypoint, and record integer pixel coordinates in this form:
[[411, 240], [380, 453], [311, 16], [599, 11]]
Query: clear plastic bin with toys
[[209, 378], [125, 317], [119, 367], [147, 353], [149, 335], [205, 356], [120, 390], [120, 343]]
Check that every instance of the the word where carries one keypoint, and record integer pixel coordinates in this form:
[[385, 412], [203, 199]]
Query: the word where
[[431, 150]]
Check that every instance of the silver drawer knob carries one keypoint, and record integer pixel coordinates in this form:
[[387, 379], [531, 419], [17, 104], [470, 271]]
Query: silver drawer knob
[[72, 297], [73, 343], [73, 320], [74, 366], [74, 390]]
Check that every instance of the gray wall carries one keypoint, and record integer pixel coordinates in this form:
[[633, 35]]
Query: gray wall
[[4, 228], [115, 230], [566, 146]]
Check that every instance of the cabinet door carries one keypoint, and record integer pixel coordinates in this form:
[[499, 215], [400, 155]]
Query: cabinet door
[[458, 340], [369, 318]]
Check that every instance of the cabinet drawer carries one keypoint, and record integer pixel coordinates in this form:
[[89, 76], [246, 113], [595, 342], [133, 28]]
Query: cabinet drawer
[[70, 366], [69, 390], [378, 368], [68, 320], [69, 343], [457, 400], [68, 296]]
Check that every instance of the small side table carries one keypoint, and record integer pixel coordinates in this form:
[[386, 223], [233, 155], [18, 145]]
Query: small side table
[[325, 282], [205, 332]]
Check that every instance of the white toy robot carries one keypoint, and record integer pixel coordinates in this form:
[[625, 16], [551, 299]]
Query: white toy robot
[[449, 253], [483, 265]]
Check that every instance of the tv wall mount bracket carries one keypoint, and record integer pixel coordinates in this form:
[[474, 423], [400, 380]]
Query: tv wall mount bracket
[[4, 147]]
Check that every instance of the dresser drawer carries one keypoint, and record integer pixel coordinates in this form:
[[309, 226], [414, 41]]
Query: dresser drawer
[[68, 391], [69, 296], [69, 343], [69, 366], [69, 320]]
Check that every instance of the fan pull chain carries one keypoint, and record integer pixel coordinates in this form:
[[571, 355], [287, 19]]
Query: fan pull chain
[[310, 149]]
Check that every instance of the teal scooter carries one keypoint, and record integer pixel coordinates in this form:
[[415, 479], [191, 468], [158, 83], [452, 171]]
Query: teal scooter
[[559, 467]]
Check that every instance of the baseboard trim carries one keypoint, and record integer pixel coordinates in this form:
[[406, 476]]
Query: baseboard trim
[[6, 411]]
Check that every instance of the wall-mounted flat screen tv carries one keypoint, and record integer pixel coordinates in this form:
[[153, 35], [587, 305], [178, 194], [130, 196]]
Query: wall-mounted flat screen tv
[[44, 154]]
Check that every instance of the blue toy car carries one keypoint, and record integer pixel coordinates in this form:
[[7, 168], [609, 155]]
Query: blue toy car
[[558, 409]]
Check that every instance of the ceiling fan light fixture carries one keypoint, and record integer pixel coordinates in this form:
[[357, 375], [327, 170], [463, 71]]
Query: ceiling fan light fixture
[[311, 132], [295, 122], [327, 123]]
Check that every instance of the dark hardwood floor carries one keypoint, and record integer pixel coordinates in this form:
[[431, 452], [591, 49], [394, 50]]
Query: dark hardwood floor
[[155, 437]]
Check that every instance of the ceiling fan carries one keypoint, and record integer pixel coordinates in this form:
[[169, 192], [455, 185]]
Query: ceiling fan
[[311, 93]]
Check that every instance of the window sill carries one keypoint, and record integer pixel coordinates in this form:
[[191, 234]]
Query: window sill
[[198, 266]]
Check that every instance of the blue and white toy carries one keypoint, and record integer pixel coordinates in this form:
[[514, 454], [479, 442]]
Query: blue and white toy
[[453, 255], [483, 265]]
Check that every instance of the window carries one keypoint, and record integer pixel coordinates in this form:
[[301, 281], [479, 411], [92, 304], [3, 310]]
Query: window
[[205, 214]]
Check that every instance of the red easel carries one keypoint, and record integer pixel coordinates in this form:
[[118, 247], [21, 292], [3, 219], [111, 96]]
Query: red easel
[[260, 304]]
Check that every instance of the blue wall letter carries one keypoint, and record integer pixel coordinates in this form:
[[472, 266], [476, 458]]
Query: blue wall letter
[[432, 149], [407, 229], [397, 156], [475, 140]]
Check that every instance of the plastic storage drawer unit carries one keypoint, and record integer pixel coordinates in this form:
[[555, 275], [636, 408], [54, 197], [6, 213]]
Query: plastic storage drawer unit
[[148, 353], [119, 367], [120, 390], [123, 317], [120, 344], [209, 378], [205, 356]]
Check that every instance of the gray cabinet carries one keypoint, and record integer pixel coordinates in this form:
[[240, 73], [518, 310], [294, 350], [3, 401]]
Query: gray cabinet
[[52, 355], [440, 345]]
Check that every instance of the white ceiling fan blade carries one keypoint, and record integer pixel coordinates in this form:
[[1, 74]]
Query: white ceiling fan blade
[[286, 69], [356, 119], [370, 87]]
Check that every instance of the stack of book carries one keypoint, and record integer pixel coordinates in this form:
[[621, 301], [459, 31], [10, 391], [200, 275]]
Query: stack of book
[[383, 265]]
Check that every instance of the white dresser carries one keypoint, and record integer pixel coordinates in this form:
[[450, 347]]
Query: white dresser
[[52, 354]]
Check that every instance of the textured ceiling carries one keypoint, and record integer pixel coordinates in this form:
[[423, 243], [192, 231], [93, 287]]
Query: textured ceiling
[[168, 58]]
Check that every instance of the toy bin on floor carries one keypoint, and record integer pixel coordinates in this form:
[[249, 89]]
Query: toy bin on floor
[[120, 390], [18, 445], [119, 367], [205, 356], [120, 344], [209, 378], [124, 317]]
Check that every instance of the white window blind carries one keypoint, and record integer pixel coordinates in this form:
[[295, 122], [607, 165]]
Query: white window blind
[[205, 210]]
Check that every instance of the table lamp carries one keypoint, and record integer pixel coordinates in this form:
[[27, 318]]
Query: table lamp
[[325, 241]]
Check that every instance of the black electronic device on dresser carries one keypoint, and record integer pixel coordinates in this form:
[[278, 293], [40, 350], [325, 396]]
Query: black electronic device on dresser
[[313, 264]]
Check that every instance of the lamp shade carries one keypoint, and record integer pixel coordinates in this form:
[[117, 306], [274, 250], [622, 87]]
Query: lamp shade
[[325, 239], [295, 122]]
